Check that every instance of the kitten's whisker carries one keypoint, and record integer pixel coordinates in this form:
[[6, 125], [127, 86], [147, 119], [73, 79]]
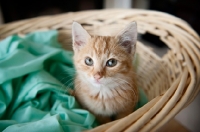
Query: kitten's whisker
[[64, 78], [67, 76], [68, 86], [70, 74], [69, 80], [77, 88]]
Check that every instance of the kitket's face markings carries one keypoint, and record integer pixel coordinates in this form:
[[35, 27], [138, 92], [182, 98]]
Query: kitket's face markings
[[104, 70]]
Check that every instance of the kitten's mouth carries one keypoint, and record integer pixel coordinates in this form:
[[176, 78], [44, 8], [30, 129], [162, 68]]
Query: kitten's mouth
[[97, 81]]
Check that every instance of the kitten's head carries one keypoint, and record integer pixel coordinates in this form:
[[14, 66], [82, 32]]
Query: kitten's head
[[102, 60]]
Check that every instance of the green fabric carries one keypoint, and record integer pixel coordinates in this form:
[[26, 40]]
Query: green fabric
[[34, 75], [142, 96], [142, 99]]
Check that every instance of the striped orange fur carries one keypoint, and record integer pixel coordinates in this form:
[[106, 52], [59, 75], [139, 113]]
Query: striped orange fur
[[103, 89]]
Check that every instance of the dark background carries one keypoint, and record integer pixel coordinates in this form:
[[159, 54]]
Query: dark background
[[12, 10]]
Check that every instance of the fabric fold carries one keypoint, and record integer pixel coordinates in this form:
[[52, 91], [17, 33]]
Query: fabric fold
[[35, 76], [32, 95]]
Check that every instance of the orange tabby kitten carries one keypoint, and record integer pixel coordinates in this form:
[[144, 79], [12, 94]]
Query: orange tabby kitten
[[105, 81]]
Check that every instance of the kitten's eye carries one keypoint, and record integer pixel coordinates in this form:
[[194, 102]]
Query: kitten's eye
[[111, 63], [88, 61]]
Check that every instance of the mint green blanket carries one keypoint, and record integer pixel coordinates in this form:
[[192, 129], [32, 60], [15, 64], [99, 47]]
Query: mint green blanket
[[34, 75]]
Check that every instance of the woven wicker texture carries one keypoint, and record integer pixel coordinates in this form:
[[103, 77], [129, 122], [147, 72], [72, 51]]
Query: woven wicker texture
[[171, 82]]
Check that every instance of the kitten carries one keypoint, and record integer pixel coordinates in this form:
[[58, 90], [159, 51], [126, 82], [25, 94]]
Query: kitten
[[105, 80]]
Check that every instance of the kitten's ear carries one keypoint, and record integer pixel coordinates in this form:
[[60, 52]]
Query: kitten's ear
[[79, 36], [128, 37]]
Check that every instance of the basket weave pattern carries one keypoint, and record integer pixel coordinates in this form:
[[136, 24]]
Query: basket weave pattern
[[171, 82]]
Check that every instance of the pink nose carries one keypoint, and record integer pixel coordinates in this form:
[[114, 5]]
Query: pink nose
[[97, 76]]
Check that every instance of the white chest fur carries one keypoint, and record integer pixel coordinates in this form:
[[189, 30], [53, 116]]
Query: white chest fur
[[104, 101]]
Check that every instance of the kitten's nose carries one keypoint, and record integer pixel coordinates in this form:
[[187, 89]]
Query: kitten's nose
[[97, 76]]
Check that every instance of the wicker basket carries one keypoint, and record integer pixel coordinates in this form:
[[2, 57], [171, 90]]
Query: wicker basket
[[171, 82]]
